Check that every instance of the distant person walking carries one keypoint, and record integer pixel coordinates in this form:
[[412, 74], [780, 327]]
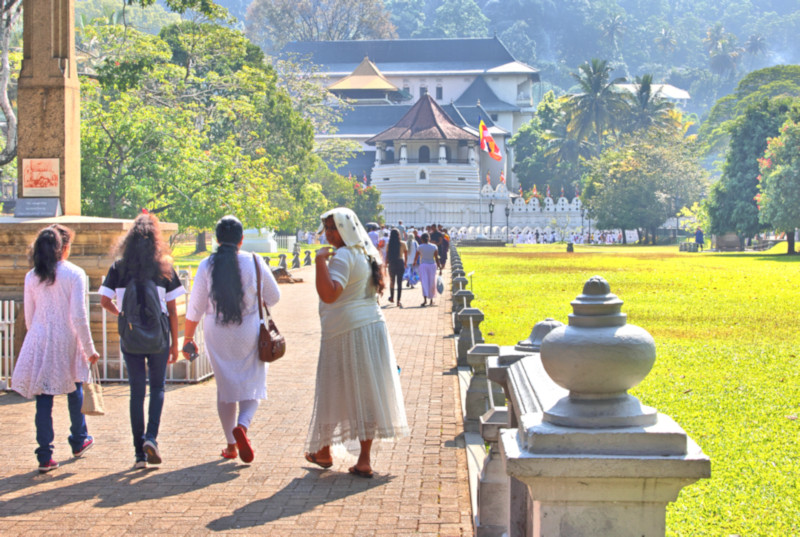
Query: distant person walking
[[58, 347], [145, 257], [358, 395], [699, 239], [428, 259], [396, 258], [225, 297]]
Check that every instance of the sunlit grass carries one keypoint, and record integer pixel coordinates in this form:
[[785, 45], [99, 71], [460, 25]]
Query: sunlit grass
[[725, 327], [184, 254]]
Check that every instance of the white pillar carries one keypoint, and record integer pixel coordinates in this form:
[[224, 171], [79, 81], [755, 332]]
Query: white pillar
[[471, 155], [403, 154], [442, 153], [378, 154]]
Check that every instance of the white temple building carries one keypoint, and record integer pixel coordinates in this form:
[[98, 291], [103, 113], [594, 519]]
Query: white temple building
[[416, 107]]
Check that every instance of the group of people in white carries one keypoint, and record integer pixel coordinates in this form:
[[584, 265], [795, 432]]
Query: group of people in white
[[358, 395], [552, 236]]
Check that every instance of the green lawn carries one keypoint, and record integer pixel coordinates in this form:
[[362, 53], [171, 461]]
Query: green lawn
[[726, 370], [184, 256]]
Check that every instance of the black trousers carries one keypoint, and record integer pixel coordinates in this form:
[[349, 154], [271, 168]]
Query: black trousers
[[396, 271]]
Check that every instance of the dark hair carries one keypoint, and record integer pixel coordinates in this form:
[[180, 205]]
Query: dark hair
[[47, 250], [393, 249], [144, 253], [226, 279], [424, 238], [377, 277]]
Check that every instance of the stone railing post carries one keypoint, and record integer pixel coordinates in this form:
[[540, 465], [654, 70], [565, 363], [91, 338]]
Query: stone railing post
[[267, 259], [470, 334], [459, 283], [282, 261], [479, 393], [461, 300], [594, 459], [307, 258], [296, 260]]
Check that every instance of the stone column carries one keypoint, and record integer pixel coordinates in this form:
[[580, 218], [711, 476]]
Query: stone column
[[595, 460], [442, 153], [378, 154], [48, 101], [470, 334], [471, 155], [403, 154]]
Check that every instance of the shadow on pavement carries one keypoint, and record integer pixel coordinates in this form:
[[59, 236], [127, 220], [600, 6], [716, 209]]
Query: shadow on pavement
[[318, 488], [114, 490]]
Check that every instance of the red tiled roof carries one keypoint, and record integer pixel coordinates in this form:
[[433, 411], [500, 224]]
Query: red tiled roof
[[424, 121]]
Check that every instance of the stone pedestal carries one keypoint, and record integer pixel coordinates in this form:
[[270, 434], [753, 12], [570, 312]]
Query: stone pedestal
[[470, 333], [481, 394], [595, 460]]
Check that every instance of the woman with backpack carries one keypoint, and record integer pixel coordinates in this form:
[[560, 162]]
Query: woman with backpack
[[58, 347], [225, 297], [141, 287]]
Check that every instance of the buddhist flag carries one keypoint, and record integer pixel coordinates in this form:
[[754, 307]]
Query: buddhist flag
[[365, 179], [502, 178], [548, 191], [488, 179], [534, 194], [520, 191], [577, 192], [562, 191], [487, 142]]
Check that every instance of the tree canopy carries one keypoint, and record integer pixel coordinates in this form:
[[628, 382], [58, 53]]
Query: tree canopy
[[273, 23], [779, 182], [731, 204]]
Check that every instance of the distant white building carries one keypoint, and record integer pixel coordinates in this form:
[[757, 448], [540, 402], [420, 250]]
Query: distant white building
[[666, 91]]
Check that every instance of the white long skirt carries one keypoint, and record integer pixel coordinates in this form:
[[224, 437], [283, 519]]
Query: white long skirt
[[358, 394]]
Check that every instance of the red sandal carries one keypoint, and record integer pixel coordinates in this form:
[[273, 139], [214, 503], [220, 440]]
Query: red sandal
[[243, 443]]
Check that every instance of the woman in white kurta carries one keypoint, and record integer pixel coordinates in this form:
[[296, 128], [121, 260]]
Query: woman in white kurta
[[58, 347], [358, 395], [230, 322]]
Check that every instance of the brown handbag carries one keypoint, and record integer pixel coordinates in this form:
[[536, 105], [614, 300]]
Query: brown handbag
[[271, 344]]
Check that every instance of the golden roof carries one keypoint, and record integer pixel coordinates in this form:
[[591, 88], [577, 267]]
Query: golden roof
[[364, 77]]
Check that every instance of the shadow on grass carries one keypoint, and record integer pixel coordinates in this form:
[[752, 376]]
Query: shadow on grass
[[299, 496], [114, 490]]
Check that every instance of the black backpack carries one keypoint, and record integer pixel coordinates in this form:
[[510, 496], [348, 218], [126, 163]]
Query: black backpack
[[143, 326]]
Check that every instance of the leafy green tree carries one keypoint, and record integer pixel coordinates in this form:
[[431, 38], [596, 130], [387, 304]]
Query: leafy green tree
[[273, 23], [460, 18], [752, 89], [189, 142], [597, 108], [779, 182], [148, 19], [644, 180], [408, 16], [731, 204]]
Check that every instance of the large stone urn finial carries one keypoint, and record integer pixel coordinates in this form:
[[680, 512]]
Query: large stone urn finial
[[598, 357]]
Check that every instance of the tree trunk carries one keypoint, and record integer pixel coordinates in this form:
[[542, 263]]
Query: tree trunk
[[200, 243], [790, 243], [11, 14]]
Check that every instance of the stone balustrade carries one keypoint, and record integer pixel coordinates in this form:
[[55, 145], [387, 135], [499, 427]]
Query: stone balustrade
[[296, 260], [572, 453], [307, 258]]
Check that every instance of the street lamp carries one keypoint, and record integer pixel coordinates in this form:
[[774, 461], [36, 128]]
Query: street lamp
[[508, 212], [491, 210]]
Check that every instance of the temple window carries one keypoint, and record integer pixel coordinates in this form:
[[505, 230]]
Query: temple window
[[424, 154]]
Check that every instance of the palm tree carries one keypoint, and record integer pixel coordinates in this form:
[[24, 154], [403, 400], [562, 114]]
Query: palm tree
[[665, 41], [613, 28], [599, 107], [756, 45], [715, 37], [647, 109]]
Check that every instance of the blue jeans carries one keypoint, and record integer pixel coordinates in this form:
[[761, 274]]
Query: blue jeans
[[137, 378], [44, 423]]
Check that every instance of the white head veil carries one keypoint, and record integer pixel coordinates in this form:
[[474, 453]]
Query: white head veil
[[352, 232]]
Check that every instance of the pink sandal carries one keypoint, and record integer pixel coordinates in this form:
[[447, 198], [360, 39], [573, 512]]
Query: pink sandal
[[243, 443]]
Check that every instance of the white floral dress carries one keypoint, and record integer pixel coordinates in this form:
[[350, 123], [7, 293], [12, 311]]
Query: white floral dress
[[53, 356]]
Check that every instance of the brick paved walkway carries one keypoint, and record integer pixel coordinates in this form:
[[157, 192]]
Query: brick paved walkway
[[420, 486]]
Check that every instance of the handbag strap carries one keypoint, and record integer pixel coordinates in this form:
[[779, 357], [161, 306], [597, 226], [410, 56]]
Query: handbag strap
[[94, 374], [258, 291], [258, 288]]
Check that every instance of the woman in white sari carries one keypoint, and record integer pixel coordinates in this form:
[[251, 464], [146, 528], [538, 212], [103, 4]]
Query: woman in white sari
[[358, 395]]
